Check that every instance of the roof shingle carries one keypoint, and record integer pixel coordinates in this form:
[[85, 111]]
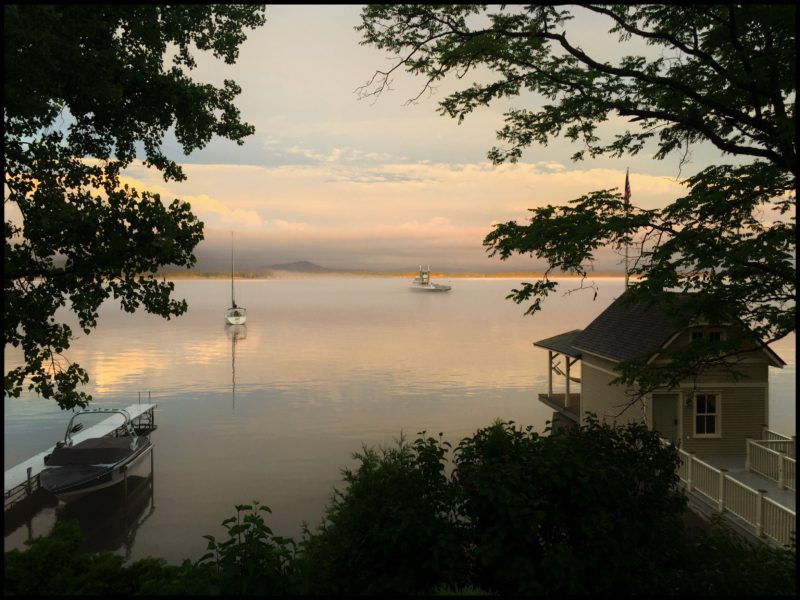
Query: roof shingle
[[628, 330]]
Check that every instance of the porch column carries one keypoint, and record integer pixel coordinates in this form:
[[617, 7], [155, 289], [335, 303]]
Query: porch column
[[566, 398], [550, 373]]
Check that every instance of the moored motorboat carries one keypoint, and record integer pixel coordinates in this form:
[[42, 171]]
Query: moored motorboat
[[73, 470], [423, 282]]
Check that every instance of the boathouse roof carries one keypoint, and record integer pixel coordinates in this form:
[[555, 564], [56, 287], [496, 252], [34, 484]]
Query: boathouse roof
[[627, 330], [562, 343]]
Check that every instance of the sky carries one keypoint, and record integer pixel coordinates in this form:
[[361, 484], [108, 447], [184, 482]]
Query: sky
[[374, 184]]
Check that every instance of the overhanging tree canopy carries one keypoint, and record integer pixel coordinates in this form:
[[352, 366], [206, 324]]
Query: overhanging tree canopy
[[718, 74], [86, 90]]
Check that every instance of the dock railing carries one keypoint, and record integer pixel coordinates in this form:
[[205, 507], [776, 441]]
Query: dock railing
[[765, 516]]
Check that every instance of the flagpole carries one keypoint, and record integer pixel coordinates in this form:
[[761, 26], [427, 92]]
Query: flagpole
[[627, 197]]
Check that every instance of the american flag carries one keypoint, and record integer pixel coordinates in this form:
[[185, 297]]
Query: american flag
[[627, 195]]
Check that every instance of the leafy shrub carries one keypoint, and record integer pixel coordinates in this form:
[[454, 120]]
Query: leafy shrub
[[584, 510], [252, 560], [393, 529], [722, 562], [591, 510], [52, 566]]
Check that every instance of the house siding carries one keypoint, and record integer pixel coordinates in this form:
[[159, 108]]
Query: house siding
[[750, 373], [744, 400], [601, 398], [742, 409], [741, 416], [683, 339]]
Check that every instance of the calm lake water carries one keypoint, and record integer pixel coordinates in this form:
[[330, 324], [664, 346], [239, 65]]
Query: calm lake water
[[272, 411]]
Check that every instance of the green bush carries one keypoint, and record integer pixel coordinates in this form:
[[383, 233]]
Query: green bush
[[393, 530], [588, 510], [722, 562], [52, 566], [252, 561], [594, 510]]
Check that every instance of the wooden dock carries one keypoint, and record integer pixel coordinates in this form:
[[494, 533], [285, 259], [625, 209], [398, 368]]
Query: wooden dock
[[22, 479]]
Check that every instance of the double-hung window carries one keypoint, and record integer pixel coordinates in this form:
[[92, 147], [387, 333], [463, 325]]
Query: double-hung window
[[707, 414]]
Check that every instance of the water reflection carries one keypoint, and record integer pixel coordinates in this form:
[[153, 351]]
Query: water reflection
[[110, 518], [22, 514], [235, 333], [342, 361]]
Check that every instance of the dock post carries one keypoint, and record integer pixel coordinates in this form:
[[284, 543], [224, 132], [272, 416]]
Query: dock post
[[28, 483]]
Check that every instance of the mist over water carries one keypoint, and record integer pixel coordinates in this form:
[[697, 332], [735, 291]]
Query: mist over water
[[273, 410]]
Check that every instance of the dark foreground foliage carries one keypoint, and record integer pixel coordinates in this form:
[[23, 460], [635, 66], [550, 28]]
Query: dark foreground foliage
[[590, 511]]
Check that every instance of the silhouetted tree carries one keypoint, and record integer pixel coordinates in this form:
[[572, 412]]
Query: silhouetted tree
[[87, 89]]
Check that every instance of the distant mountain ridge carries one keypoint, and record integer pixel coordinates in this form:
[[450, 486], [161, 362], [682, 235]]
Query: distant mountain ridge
[[300, 266]]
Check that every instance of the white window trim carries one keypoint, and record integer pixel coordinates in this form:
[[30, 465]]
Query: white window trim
[[718, 427]]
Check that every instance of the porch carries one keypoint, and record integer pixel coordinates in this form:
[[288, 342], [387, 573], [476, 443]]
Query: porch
[[754, 503], [570, 408], [568, 402]]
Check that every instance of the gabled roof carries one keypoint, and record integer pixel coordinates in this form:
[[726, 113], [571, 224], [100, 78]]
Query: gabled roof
[[561, 343], [628, 330]]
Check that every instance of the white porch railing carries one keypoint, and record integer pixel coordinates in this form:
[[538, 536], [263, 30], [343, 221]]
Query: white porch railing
[[768, 518], [778, 441], [768, 434], [770, 459]]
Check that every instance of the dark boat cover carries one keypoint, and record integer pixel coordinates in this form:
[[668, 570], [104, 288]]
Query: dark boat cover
[[94, 451]]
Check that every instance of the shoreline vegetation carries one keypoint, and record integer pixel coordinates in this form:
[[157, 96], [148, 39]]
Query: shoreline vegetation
[[279, 274], [491, 516]]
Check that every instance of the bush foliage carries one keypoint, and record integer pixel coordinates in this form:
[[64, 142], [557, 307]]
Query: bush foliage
[[594, 510]]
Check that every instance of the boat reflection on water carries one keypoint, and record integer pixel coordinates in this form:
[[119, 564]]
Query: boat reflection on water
[[108, 518], [28, 510], [234, 333]]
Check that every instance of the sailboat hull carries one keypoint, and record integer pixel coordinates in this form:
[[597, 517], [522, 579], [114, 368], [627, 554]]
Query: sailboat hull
[[236, 316]]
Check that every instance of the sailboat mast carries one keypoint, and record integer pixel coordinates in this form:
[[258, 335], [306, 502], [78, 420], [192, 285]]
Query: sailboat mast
[[233, 301]]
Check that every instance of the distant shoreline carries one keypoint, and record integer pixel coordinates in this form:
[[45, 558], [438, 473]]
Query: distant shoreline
[[386, 274]]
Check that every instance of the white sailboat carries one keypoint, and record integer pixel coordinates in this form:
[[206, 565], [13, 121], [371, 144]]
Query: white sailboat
[[235, 315]]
